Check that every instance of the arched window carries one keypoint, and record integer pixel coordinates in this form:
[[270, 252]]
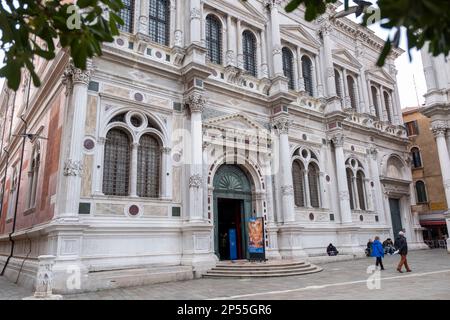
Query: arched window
[[148, 168], [350, 187], [249, 52], [214, 39], [361, 190], [307, 75], [337, 82], [352, 91], [387, 102], [159, 21], [299, 183], [288, 67], [33, 174], [416, 157], [313, 181], [375, 101], [421, 192], [116, 165], [127, 15]]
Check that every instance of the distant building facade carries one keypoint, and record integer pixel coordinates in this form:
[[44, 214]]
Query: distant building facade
[[429, 188], [437, 108]]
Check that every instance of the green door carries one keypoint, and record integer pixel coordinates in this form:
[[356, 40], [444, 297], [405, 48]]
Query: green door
[[394, 205], [232, 196]]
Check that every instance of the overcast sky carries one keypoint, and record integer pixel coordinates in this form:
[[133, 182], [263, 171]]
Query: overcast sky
[[411, 80]]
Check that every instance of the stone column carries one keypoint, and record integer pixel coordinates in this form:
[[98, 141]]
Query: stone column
[[166, 173], [362, 93], [356, 193], [346, 94], [276, 38], [240, 53], [231, 43], [301, 82], [281, 125], [195, 21], [78, 81], [326, 29], [178, 35], [428, 69], [196, 102], [307, 191], [99, 155], [319, 91], [143, 17], [344, 196], [439, 129], [133, 169], [264, 65]]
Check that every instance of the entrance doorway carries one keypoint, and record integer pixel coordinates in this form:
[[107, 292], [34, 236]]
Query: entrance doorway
[[231, 229], [394, 205], [232, 202]]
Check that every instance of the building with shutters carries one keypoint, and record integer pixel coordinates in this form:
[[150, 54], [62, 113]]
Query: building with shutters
[[200, 115]]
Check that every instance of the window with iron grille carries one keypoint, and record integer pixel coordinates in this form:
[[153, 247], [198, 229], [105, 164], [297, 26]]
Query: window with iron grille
[[313, 181], [214, 39], [249, 52], [416, 157], [337, 82], [299, 183], [307, 75], [127, 15], [352, 91], [375, 101], [288, 67], [148, 168], [388, 106], [159, 21], [116, 166], [421, 192], [412, 128], [361, 190], [350, 187]]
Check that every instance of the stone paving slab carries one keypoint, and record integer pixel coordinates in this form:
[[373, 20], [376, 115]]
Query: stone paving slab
[[430, 279]]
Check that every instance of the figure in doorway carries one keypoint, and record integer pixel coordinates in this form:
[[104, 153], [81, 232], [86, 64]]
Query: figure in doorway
[[369, 248], [378, 252], [402, 248]]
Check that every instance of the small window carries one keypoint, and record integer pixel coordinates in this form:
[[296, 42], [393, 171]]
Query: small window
[[350, 188], [387, 102], [416, 157], [352, 92], [159, 21], [299, 183], [421, 192], [337, 82], [288, 67], [412, 128], [307, 75], [313, 181], [361, 190], [249, 52], [375, 101], [213, 39], [33, 175]]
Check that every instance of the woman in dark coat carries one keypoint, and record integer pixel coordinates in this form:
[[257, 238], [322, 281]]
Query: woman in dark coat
[[378, 252]]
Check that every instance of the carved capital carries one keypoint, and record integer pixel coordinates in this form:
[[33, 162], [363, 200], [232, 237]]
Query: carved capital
[[281, 125], [196, 102], [338, 140], [73, 168], [439, 128], [195, 13], [271, 4], [195, 181]]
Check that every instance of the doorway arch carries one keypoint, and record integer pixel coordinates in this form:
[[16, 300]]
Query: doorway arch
[[232, 197]]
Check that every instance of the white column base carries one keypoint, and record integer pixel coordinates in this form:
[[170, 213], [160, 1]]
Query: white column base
[[290, 247]]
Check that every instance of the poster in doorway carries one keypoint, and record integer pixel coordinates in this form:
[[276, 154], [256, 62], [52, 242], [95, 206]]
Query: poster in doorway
[[256, 248]]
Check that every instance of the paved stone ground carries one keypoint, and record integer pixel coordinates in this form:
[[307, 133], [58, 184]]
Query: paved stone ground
[[430, 279]]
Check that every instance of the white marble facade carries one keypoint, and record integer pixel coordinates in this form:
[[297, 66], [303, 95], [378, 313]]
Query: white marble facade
[[437, 108], [205, 114]]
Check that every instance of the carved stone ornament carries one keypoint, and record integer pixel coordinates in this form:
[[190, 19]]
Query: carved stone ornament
[[281, 125], [272, 3], [338, 140], [196, 102], [195, 181], [344, 195], [195, 13], [73, 168], [439, 128]]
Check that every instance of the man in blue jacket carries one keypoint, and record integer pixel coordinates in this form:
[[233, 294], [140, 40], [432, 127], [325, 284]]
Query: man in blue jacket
[[378, 252]]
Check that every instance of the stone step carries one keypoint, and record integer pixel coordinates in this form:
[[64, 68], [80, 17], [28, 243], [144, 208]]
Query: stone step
[[252, 275], [262, 268], [267, 271], [259, 264]]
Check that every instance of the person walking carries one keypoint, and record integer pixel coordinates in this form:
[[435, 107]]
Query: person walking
[[378, 252], [402, 248]]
